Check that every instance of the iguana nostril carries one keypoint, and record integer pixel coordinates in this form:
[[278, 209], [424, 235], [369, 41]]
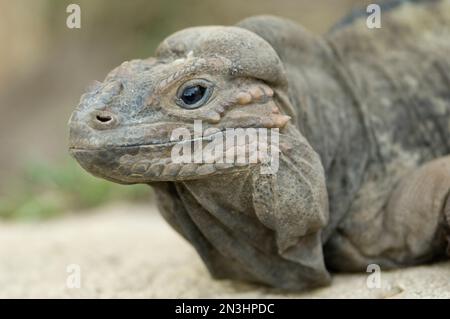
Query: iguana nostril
[[103, 120]]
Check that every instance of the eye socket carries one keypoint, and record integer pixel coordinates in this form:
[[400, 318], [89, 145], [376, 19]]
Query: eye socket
[[194, 94]]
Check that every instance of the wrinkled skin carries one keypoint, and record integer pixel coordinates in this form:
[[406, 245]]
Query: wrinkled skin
[[364, 122]]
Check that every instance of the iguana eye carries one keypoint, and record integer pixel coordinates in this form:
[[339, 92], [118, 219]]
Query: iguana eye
[[194, 94]]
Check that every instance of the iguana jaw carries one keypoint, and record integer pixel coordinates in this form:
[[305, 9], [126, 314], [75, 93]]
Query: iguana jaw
[[145, 161], [130, 165], [145, 164]]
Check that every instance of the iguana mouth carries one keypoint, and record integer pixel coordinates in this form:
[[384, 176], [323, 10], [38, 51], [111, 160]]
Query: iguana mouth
[[207, 138], [143, 163], [127, 168]]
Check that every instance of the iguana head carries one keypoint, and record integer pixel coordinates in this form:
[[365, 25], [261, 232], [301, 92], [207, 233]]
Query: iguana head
[[225, 77]]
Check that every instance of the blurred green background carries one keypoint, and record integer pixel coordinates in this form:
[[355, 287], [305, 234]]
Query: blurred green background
[[45, 67]]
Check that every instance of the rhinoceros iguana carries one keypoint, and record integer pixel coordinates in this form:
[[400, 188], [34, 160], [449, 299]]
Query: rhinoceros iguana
[[363, 117]]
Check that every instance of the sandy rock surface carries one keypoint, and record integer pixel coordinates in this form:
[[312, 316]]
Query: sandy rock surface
[[127, 251]]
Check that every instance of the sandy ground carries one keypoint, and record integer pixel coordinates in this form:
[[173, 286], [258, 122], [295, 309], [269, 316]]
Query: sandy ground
[[128, 251]]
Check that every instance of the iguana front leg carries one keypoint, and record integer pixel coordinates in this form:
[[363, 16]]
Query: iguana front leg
[[413, 227], [417, 209]]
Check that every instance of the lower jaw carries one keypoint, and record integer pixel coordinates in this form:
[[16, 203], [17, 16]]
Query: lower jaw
[[153, 163], [136, 167]]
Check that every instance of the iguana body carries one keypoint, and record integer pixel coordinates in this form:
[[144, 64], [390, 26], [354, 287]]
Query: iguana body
[[364, 119]]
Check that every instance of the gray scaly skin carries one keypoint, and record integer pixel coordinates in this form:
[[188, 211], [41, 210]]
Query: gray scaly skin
[[364, 120]]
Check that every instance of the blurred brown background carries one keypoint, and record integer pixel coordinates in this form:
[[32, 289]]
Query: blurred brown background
[[45, 66]]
